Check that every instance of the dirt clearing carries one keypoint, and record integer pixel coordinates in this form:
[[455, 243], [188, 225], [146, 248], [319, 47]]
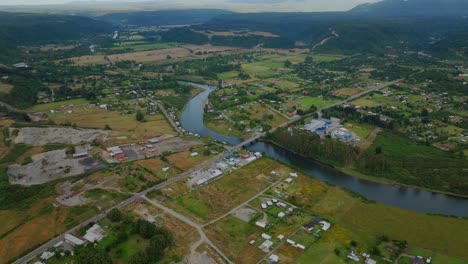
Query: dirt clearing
[[37, 136]]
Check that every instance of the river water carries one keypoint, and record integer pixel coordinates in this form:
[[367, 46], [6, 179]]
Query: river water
[[404, 197]]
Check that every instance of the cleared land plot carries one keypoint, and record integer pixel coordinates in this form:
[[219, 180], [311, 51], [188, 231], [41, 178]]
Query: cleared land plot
[[308, 101], [5, 88], [37, 136], [215, 199], [50, 166], [347, 91], [184, 161], [57, 105], [92, 117], [232, 236]]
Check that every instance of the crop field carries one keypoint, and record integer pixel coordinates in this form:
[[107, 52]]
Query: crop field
[[57, 105], [219, 197], [308, 101]]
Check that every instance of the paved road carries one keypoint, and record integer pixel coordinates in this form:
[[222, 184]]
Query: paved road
[[188, 221], [179, 177]]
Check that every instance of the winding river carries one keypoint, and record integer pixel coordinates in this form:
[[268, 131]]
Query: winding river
[[404, 197]]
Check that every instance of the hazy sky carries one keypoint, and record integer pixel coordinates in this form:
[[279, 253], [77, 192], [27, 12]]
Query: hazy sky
[[308, 5]]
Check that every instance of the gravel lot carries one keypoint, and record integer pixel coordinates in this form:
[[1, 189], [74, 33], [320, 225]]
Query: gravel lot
[[39, 136]]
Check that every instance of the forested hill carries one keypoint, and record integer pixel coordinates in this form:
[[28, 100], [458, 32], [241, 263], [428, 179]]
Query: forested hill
[[163, 17], [360, 30], [26, 29], [428, 8]]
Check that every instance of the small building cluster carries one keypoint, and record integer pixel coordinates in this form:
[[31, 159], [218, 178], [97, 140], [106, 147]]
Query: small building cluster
[[332, 128], [316, 224]]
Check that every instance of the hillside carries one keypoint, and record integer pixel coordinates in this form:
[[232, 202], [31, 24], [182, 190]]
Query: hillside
[[163, 17], [26, 29], [427, 8]]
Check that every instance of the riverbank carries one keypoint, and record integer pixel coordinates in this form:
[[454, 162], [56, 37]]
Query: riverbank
[[352, 173], [375, 189]]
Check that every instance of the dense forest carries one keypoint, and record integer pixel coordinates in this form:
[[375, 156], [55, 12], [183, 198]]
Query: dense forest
[[392, 156], [17, 29]]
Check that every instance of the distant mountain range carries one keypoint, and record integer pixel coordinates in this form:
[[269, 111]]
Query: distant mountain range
[[436, 26]]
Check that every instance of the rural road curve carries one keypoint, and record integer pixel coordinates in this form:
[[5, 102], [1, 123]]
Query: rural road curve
[[188, 221]]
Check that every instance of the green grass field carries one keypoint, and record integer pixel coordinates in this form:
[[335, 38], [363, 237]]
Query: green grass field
[[319, 253], [232, 235], [262, 69], [228, 75], [57, 105], [307, 102], [362, 130], [436, 257]]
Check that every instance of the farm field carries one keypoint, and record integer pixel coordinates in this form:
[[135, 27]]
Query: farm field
[[141, 46], [308, 101], [157, 56]]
